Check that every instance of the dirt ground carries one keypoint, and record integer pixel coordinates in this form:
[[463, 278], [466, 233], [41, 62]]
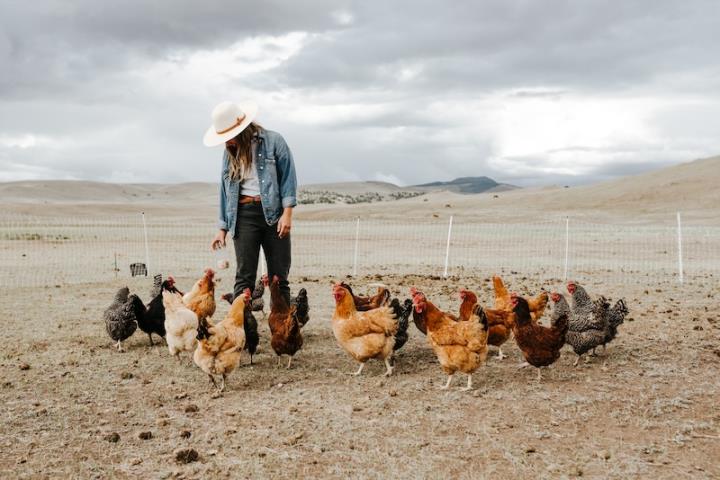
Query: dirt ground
[[75, 407]]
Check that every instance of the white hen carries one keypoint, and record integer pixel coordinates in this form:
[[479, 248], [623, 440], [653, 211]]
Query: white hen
[[181, 325]]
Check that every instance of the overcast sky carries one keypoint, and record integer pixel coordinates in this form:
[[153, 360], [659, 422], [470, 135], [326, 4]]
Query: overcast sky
[[527, 92]]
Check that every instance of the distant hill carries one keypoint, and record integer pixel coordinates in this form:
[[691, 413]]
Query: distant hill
[[468, 185]]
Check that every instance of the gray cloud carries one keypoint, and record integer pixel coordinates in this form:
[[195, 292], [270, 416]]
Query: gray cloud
[[418, 91]]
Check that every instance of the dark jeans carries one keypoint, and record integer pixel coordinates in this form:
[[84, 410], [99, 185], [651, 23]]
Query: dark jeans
[[251, 232]]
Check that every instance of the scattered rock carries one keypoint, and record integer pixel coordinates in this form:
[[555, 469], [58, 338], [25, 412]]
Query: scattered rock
[[604, 454], [185, 434], [356, 408], [136, 461], [180, 396], [24, 366], [113, 437], [145, 435], [192, 408], [530, 450], [126, 375], [186, 455]]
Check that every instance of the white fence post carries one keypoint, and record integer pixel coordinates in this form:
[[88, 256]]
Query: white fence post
[[147, 247], [263, 262], [357, 242], [680, 253], [567, 247], [447, 247]]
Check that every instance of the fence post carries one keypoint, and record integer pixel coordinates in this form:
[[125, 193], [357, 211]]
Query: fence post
[[147, 247], [263, 264], [567, 246], [357, 241], [680, 253], [447, 247]]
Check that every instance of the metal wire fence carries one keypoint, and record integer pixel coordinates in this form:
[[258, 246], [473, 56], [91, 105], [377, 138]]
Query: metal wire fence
[[38, 251]]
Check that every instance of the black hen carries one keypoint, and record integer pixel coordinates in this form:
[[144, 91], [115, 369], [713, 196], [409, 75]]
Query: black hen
[[153, 321], [256, 299], [121, 316], [302, 307], [252, 338], [402, 313]]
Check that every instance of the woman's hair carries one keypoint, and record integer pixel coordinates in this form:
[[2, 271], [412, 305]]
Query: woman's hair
[[241, 162]]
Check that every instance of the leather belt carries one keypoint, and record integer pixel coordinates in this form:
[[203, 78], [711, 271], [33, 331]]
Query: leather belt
[[244, 199]]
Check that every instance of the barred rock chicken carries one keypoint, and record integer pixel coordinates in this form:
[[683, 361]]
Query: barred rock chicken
[[583, 314], [503, 300], [363, 304], [219, 346], [201, 299], [540, 345], [250, 325], [580, 341], [121, 317], [257, 303], [154, 319], [499, 321], [284, 324], [615, 317], [181, 325], [459, 345], [364, 334], [302, 307]]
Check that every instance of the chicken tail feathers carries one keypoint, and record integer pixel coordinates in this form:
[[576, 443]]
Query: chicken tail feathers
[[482, 318], [402, 314]]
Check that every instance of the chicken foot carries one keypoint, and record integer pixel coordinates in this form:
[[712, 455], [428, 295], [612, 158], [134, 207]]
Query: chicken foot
[[289, 361], [469, 384], [359, 370], [447, 384], [119, 346], [389, 367], [500, 355]]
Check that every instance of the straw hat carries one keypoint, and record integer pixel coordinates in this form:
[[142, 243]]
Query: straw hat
[[228, 120]]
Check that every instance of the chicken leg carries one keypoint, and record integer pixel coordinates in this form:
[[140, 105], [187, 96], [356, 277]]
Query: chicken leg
[[469, 384], [389, 367], [523, 365], [359, 370], [500, 355], [577, 361], [212, 380], [222, 386], [119, 346], [447, 385], [539, 375], [289, 361]]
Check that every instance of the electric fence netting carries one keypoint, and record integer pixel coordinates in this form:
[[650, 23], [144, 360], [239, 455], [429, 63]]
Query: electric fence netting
[[38, 251]]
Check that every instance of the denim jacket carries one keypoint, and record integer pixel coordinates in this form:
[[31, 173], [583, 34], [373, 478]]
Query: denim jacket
[[276, 173]]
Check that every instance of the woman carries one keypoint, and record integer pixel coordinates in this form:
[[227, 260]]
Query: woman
[[257, 194]]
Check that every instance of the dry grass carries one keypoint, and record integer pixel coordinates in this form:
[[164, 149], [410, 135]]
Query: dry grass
[[647, 409]]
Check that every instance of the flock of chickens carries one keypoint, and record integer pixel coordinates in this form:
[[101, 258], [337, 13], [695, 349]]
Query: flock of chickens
[[373, 327]]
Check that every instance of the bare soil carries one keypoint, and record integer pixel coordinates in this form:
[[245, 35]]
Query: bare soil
[[75, 407]]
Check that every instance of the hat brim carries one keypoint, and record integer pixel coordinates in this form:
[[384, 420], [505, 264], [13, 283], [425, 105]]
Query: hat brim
[[213, 139]]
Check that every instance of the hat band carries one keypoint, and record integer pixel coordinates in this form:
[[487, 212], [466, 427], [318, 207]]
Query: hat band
[[237, 123]]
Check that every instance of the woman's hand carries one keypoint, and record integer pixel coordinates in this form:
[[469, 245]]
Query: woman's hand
[[285, 223], [219, 240]]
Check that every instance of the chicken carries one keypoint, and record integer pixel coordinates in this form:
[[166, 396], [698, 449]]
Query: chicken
[[580, 341], [219, 346], [402, 314], [121, 317], [302, 306], [499, 321], [257, 303], [583, 314], [364, 334], [615, 317], [539, 345], [284, 324], [181, 324], [250, 325], [154, 319], [459, 345], [504, 302], [419, 319], [363, 304], [201, 299]]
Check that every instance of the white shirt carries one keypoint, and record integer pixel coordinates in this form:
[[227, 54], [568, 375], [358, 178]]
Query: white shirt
[[250, 185]]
